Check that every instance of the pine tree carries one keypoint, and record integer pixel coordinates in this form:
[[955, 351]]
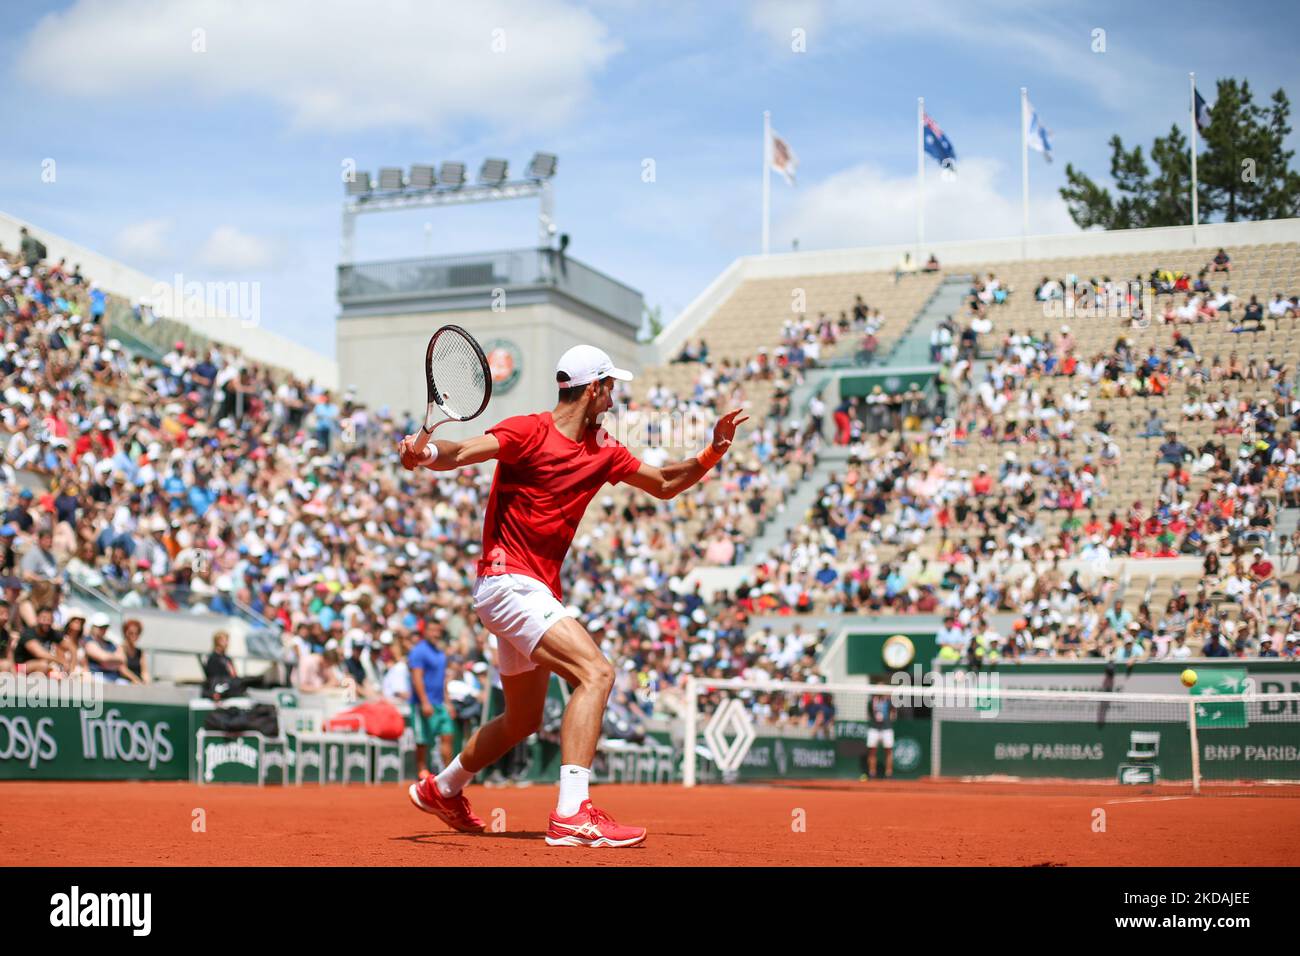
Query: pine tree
[[1244, 171]]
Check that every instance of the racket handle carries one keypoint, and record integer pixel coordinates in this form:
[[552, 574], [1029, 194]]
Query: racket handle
[[422, 439]]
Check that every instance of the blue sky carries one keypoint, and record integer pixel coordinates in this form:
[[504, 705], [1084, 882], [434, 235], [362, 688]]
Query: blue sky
[[224, 163]]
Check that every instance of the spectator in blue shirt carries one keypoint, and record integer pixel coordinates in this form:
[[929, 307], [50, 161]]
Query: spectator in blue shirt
[[1155, 427], [430, 717], [1118, 618], [98, 303], [1214, 647], [1172, 451], [327, 414]]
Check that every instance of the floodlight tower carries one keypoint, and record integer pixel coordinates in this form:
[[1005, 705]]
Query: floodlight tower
[[424, 187], [525, 306]]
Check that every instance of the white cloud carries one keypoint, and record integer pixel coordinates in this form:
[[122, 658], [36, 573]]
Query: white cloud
[[334, 65], [144, 241], [229, 250], [862, 206], [1040, 37]]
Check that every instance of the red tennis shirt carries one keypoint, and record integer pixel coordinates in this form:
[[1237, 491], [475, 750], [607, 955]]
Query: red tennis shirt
[[542, 486]]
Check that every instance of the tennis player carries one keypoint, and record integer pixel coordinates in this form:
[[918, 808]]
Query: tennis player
[[549, 467]]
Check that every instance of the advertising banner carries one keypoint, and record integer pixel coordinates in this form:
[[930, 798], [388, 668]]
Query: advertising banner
[[114, 741]]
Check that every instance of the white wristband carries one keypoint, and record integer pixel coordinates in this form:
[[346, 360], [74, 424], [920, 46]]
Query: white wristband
[[432, 449]]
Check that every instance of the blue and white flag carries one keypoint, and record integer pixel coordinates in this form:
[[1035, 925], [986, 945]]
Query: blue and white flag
[[1038, 136], [1202, 110], [937, 145]]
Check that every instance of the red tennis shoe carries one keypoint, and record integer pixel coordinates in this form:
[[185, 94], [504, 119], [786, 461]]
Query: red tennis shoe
[[453, 811], [591, 827]]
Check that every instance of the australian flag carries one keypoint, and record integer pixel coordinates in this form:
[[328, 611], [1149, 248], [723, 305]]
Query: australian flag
[[937, 145]]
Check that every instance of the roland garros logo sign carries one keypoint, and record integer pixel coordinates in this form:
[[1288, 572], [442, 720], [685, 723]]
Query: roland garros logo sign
[[506, 363]]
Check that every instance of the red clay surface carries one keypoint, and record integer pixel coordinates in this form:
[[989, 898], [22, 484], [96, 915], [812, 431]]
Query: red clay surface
[[846, 824]]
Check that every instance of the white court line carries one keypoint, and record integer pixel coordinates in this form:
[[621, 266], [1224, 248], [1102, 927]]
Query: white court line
[[1146, 799]]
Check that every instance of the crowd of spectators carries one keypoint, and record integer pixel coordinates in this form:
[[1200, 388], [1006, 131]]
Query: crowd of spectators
[[209, 483], [901, 531]]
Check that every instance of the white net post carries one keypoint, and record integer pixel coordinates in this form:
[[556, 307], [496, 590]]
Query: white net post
[[692, 732], [1196, 746], [936, 746]]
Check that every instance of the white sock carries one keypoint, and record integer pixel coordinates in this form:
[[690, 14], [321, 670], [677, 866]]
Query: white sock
[[573, 789], [453, 780]]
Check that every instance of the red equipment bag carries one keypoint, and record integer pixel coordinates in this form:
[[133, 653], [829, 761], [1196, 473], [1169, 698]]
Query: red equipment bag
[[378, 718]]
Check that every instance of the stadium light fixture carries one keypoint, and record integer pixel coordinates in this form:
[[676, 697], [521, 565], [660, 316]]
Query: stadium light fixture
[[493, 172], [542, 166], [452, 174], [358, 185], [449, 185], [423, 176]]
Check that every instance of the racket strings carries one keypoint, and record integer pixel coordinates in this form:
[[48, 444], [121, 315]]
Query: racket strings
[[458, 375]]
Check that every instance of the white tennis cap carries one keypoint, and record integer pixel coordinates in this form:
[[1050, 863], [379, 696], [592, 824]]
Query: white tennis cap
[[584, 364]]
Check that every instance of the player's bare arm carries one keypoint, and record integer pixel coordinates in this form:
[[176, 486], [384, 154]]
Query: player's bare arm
[[674, 478], [442, 455]]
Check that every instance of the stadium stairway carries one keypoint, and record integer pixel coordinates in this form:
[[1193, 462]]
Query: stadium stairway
[[795, 509], [1288, 519], [914, 347]]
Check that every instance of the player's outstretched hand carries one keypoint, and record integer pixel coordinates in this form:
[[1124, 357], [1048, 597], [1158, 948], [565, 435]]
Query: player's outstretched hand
[[411, 459], [725, 430]]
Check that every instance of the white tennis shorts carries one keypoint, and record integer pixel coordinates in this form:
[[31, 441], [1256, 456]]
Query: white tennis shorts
[[880, 737], [518, 610]]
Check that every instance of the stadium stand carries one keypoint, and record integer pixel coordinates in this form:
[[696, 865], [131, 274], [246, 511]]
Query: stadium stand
[[178, 478], [1083, 429], [203, 486]]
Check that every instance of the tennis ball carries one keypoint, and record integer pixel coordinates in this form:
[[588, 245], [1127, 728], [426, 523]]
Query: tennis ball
[[1189, 677]]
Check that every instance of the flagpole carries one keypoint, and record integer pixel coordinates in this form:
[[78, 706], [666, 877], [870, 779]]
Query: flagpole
[[1024, 173], [1195, 205], [767, 181], [920, 176]]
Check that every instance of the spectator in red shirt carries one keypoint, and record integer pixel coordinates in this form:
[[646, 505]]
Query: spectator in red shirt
[[1262, 569]]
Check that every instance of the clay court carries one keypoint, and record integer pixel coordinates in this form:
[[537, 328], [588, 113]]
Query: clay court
[[848, 824]]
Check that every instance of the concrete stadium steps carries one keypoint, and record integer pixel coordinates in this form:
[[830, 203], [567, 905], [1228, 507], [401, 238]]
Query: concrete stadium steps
[[946, 300], [1288, 519], [753, 316], [832, 460]]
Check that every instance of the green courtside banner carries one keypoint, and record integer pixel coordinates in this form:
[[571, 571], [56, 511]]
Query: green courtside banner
[[1089, 751], [1216, 683], [111, 741]]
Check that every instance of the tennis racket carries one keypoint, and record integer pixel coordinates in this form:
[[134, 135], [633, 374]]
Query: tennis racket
[[459, 380]]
